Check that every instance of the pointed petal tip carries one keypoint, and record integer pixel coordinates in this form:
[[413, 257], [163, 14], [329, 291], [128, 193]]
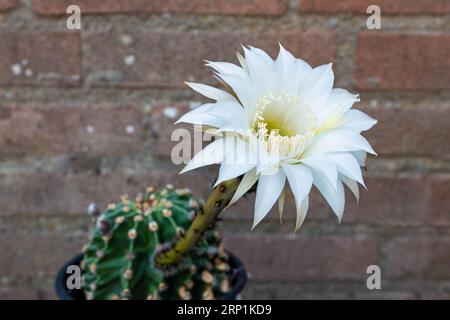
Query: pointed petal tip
[[217, 183]]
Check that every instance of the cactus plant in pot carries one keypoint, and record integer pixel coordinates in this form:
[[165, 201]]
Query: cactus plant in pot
[[275, 121], [160, 245]]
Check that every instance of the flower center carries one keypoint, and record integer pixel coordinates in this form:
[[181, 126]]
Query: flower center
[[283, 125]]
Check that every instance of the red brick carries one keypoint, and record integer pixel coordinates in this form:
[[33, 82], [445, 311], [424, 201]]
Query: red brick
[[420, 130], [304, 258], [419, 257], [396, 200], [70, 193], [40, 58], [49, 130], [386, 6], [167, 59], [7, 4], [163, 128], [222, 7], [18, 293], [438, 211], [32, 256], [408, 61]]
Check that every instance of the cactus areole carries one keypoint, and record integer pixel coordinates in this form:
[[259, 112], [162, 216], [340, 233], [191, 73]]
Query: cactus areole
[[161, 245]]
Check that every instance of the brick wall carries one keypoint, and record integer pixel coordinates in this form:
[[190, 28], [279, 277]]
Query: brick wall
[[84, 117]]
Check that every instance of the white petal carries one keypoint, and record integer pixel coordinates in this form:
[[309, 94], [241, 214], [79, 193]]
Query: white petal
[[300, 180], [248, 180], [216, 115], [342, 99], [334, 197], [347, 165], [213, 153], [302, 209], [338, 140], [267, 193], [357, 121], [242, 61], [287, 72], [316, 87], [261, 71], [352, 185], [281, 204], [361, 157], [324, 166], [339, 102], [243, 89], [227, 68], [302, 68], [263, 55], [230, 171], [211, 92]]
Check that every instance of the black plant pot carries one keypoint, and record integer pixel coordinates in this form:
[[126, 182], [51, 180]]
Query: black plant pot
[[238, 279]]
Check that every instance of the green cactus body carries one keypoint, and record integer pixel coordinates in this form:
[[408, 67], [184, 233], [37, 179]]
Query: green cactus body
[[119, 259]]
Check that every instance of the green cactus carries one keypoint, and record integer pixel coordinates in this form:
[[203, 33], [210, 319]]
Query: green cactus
[[119, 260]]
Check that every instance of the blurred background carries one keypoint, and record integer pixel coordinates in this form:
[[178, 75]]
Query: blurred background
[[86, 116]]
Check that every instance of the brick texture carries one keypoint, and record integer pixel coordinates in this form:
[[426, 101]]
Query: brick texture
[[56, 61], [23, 255], [158, 61], [71, 193], [221, 7], [425, 257], [7, 4], [439, 205], [87, 116], [403, 61], [86, 131], [305, 258], [386, 6], [421, 130]]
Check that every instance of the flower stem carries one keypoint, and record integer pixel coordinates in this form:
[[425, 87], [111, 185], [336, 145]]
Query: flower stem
[[219, 198]]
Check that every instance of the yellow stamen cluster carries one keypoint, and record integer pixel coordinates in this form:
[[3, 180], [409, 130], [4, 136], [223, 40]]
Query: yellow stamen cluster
[[281, 134]]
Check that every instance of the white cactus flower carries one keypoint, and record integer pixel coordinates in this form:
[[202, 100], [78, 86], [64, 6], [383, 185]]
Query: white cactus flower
[[281, 120]]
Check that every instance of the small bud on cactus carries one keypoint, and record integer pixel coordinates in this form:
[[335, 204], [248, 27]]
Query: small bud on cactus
[[120, 262], [93, 210]]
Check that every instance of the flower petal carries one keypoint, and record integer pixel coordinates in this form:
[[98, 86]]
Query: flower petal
[[211, 92], [244, 91], [227, 68], [267, 193], [316, 86], [263, 55], [361, 157], [347, 165], [248, 180], [300, 180], [302, 209], [352, 185], [213, 153], [281, 204], [338, 140], [323, 165], [230, 171], [216, 115], [357, 121], [334, 197], [339, 102]]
